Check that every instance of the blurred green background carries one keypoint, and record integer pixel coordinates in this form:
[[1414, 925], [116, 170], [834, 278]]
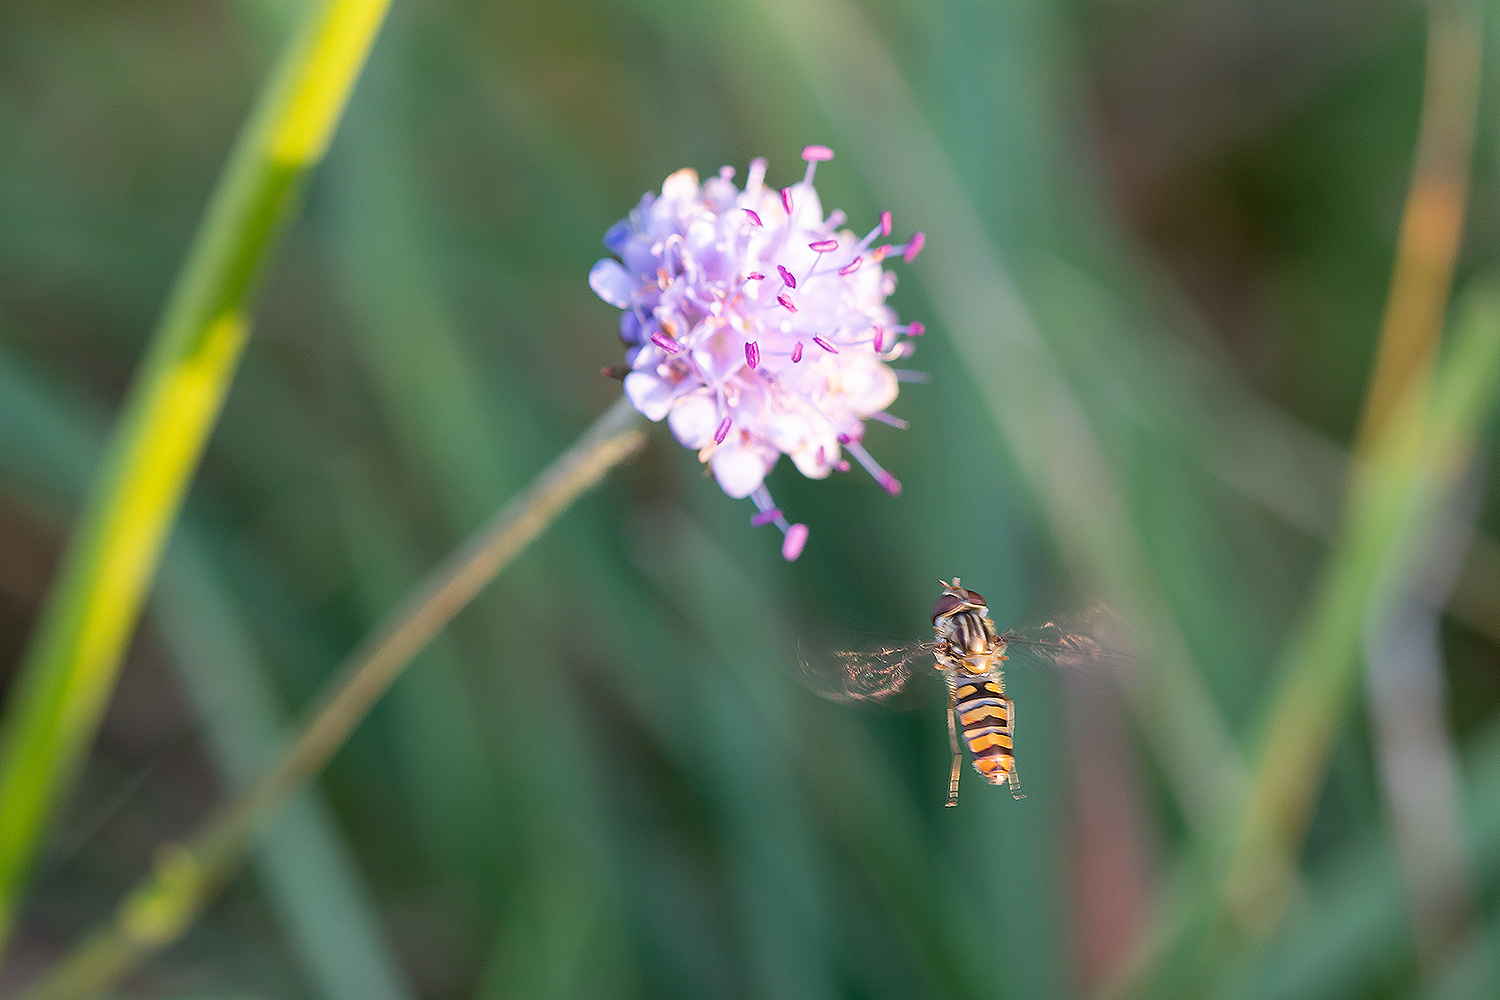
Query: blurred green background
[[1161, 237]]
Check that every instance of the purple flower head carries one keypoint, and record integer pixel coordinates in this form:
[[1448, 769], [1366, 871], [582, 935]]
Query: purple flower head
[[717, 349]]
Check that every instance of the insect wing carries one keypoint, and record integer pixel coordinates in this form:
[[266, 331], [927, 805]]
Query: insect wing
[[873, 673], [1080, 644]]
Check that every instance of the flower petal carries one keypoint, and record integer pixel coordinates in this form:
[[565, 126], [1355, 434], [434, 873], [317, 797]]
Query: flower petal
[[868, 385], [619, 234], [612, 283], [694, 418], [650, 393], [739, 467]]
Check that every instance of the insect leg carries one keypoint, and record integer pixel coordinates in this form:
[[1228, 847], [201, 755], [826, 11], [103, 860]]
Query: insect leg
[[958, 754], [1010, 730]]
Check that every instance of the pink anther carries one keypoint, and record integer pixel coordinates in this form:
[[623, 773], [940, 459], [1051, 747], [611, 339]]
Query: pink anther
[[914, 247], [796, 538]]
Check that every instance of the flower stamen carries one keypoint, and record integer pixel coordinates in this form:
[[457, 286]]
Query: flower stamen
[[795, 535], [914, 246], [887, 482]]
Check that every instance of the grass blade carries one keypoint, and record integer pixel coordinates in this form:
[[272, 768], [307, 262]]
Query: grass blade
[[304, 863], [69, 669], [167, 901], [1427, 448]]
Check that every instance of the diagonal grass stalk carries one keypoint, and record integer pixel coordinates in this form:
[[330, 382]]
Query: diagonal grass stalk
[[1433, 217], [1426, 448], [161, 908], [304, 863], [70, 665], [1405, 688]]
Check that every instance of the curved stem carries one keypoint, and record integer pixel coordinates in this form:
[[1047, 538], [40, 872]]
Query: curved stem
[[187, 876]]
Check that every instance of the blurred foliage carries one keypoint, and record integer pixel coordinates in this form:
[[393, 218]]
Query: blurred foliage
[[605, 779]]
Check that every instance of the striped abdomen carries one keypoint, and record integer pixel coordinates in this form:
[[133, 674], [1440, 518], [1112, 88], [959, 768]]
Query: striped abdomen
[[988, 724]]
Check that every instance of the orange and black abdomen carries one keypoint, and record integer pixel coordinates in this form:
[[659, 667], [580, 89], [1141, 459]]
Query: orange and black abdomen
[[984, 713]]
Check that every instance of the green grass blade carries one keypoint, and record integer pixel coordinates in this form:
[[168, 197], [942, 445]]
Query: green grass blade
[[1354, 923], [304, 862], [68, 671], [1429, 446], [305, 866], [167, 901]]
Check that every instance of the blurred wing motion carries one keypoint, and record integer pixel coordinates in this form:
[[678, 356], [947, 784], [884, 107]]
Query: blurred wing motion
[[873, 673], [1092, 643]]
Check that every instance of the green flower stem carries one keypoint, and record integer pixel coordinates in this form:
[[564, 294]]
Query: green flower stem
[[69, 668], [187, 876]]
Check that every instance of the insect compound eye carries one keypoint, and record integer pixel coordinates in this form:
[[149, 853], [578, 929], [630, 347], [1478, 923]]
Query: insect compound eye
[[976, 598], [946, 605]]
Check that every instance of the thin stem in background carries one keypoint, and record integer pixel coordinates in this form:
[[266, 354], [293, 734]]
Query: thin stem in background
[[1432, 221], [1395, 494], [162, 907], [1411, 330], [1219, 928], [68, 671], [1404, 683]]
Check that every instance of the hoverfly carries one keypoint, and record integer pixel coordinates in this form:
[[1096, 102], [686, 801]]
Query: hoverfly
[[968, 653]]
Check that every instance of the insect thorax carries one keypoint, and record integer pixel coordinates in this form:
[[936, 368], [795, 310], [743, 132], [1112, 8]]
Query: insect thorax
[[966, 633]]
